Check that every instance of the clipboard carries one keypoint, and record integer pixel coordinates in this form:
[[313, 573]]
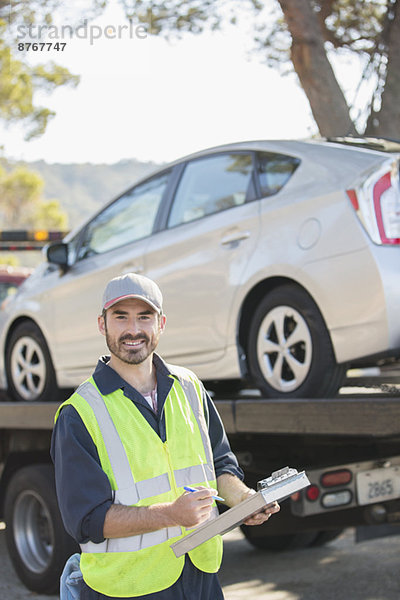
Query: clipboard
[[276, 488]]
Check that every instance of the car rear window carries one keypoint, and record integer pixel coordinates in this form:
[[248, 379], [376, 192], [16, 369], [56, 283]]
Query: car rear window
[[274, 171]]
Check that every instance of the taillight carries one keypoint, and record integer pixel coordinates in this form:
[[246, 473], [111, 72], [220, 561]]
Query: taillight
[[333, 478], [377, 203], [312, 493]]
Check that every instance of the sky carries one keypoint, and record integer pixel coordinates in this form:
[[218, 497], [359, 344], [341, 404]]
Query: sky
[[143, 97]]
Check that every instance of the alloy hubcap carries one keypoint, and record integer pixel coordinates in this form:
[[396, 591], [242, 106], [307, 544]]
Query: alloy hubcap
[[284, 348], [33, 531], [28, 368]]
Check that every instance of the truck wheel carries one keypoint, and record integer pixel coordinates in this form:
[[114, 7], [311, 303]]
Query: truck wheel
[[37, 542], [30, 372], [289, 348], [326, 536], [277, 543]]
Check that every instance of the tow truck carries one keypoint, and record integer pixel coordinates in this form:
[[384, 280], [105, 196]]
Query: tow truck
[[349, 447]]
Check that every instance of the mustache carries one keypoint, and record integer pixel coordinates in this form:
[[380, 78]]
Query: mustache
[[134, 338]]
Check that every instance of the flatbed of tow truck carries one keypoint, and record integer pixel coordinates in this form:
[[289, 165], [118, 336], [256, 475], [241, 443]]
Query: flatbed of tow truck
[[374, 416], [350, 436]]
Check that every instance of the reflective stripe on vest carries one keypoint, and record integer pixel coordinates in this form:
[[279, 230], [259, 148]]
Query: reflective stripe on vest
[[191, 394], [129, 492]]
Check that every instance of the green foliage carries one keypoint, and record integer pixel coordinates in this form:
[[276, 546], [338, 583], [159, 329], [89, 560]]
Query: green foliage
[[80, 189], [176, 16], [18, 85], [362, 27], [32, 12], [355, 25], [10, 260], [22, 205], [358, 26], [28, 11], [48, 215], [20, 191], [20, 82]]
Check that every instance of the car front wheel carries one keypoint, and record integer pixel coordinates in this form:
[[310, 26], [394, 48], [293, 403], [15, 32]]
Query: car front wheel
[[289, 348], [30, 372]]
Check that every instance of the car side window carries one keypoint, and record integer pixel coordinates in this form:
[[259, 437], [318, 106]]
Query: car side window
[[131, 217], [274, 171], [210, 185]]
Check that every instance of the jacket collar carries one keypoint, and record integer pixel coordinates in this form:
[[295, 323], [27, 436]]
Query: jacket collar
[[108, 380]]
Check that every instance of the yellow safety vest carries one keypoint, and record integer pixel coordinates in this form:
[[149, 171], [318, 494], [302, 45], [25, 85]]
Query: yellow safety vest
[[142, 471]]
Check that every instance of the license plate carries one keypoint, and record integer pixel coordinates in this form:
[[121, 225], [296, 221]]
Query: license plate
[[378, 485]]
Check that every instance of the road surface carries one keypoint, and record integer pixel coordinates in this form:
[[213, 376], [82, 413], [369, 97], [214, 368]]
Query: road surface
[[341, 570]]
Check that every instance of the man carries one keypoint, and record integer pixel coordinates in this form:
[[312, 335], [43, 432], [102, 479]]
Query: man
[[125, 446]]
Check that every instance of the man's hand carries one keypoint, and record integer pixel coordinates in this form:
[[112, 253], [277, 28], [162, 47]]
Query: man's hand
[[192, 508], [189, 510], [235, 491], [262, 516]]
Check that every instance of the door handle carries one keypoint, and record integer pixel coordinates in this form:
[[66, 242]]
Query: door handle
[[234, 237]]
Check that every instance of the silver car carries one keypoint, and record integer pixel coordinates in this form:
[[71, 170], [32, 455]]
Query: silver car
[[279, 262]]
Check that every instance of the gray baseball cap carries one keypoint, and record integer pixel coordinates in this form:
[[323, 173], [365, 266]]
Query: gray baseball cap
[[132, 285]]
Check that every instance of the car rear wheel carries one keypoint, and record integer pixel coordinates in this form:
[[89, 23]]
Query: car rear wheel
[[30, 372], [289, 348], [37, 542]]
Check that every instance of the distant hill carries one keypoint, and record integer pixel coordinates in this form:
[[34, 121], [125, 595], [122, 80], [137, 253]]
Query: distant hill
[[82, 189]]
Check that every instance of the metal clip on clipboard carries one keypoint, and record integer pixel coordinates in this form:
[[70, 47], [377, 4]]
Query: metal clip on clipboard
[[276, 488]]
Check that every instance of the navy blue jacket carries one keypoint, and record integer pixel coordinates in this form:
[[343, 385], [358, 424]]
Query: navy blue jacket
[[83, 489]]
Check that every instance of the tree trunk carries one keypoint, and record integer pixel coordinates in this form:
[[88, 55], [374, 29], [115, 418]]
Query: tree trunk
[[327, 101], [386, 122]]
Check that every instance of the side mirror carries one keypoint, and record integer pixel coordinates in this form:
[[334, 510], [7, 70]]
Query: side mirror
[[57, 254]]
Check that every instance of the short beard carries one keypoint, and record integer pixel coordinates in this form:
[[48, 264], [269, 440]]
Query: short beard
[[132, 357]]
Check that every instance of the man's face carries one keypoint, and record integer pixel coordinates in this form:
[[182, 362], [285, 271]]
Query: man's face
[[132, 329]]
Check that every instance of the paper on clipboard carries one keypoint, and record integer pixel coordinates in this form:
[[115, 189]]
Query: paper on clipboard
[[276, 488]]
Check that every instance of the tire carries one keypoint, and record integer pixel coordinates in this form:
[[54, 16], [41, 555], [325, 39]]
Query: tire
[[289, 351], [37, 542], [279, 543], [326, 536], [30, 372]]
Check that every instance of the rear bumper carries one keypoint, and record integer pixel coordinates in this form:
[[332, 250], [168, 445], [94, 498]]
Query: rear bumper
[[355, 493]]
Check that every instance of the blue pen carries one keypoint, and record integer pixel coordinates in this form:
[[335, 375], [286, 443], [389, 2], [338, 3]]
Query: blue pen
[[190, 489]]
